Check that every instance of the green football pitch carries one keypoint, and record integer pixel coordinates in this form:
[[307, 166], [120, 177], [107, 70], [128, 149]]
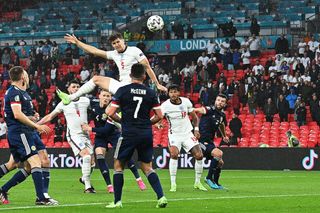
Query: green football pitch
[[248, 191]]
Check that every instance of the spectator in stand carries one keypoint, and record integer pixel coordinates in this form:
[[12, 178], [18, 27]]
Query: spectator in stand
[[301, 114], [305, 60], [68, 55], [187, 83], [211, 47], [234, 43], [164, 77], [186, 70], [58, 131], [269, 110], [3, 128], [236, 102], [306, 91], [255, 27], [224, 46], [310, 53], [75, 55], [282, 45], [190, 32], [53, 74], [204, 97], [54, 52], [301, 47], [258, 69], [236, 56], [245, 56], [176, 78], [34, 89], [84, 74], [235, 126], [5, 59], [173, 64], [283, 108], [222, 80], [299, 67], [42, 100], [204, 59], [254, 46], [252, 102], [313, 44], [284, 68], [199, 69], [212, 69], [315, 108], [61, 83]]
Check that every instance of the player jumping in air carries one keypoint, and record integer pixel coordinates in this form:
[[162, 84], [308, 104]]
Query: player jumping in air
[[124, 56]]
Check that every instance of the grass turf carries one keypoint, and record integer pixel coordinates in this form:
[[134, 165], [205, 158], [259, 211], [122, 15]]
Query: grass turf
[[248, 191]]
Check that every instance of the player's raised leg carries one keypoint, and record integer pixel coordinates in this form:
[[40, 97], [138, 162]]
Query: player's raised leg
[[135, 172], [100, 81]]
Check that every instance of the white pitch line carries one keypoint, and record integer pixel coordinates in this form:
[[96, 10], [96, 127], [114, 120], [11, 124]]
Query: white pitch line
[[170, 200]]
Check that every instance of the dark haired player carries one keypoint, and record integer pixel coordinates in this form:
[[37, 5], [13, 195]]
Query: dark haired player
[[136, 102], [107, 131], [124, 56], [212, 120]]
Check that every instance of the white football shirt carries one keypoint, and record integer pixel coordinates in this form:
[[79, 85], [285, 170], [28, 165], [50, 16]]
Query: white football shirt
[[125, 60], [75, 113], [178, 116]]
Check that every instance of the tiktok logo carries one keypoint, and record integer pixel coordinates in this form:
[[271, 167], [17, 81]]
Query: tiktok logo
[[308, 161], [161, 160]]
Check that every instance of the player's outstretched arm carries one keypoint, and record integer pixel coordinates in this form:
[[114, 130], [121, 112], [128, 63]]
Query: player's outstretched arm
[[48, 117], [87, 48], [152, 76], [20, 116], [200, 110]]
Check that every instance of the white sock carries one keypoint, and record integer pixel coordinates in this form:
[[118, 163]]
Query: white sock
[[86, 170], [84, 89], [173, 167], [198, 168]]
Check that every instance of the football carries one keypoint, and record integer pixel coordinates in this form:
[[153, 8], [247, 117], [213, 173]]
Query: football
[[155, 23]]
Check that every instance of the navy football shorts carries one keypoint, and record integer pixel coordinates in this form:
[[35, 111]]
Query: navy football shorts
[[22, 145], [126, 146], [207, 146]]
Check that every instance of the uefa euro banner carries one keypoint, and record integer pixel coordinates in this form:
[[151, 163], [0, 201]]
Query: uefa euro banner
[[234, 158], [175, 46]]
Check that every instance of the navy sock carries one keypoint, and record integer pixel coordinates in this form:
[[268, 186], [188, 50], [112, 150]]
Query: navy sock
[[3, 170], [17, 178], [155, 183], [104, 168], [133, 169], [46, 179], [216, 175], [212, 167], [38, 182], [117, 184]]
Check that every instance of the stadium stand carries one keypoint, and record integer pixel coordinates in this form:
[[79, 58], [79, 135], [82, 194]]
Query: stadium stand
[[52, 19]]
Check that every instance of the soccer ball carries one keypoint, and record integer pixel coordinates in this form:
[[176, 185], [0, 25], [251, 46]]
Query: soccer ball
[[155, 23]]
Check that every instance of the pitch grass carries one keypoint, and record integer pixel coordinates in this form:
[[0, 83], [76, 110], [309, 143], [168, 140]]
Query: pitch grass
[[248, 191]]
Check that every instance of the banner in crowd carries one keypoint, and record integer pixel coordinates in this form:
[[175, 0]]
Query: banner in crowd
[[234, 158], [175, 46]]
